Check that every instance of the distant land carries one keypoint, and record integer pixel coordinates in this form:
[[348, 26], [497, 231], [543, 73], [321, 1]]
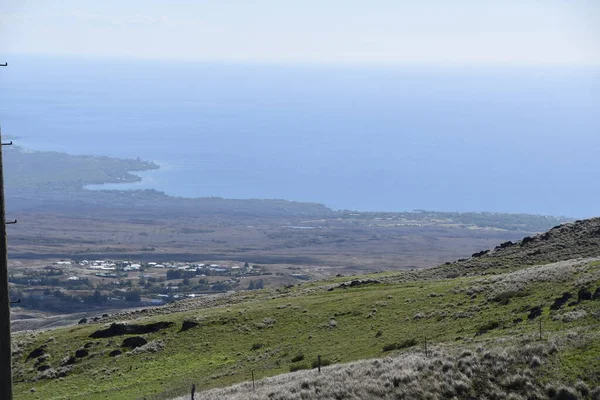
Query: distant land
[[48, 175], [59, 218]]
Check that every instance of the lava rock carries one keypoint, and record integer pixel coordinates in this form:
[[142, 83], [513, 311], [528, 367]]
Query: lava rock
[[40, 351], [115, 353], [584, 294], [124, 329], [561, 301], [81, 353], [188, 325], [134, 341], [534, 312]]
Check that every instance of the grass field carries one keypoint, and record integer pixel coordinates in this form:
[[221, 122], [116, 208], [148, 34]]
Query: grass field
[[272, 332]]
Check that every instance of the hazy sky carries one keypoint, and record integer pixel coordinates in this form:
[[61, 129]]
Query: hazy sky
[[377, 31]]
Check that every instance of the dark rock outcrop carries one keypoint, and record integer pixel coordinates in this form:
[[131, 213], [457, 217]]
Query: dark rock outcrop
[[188, 325], [115, 353], [534, 312], [561, 301], [124, 329], [40, 351], [81, 353], [133, 342], [480, 254], [584, 294], [356, 283]]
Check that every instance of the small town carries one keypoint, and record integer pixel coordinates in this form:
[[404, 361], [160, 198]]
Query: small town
[[71, 284]]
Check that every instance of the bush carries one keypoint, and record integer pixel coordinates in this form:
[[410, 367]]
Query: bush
[[257, 346], [298, 357]]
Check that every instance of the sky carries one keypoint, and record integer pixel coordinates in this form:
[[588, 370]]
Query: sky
[[506, 32]]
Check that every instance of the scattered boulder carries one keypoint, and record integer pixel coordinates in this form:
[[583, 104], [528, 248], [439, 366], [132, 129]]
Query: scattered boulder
[[115, 353], [584, 294], [534, 312], [358, 282], [81, 353], [36, 353], [188, 325], [69, 361], [480, 254], [527, 239], [561, 301], [505, 245], [88, 345], [123, 329], [82, 321], [596, 294], [42, 368], [133, 342]]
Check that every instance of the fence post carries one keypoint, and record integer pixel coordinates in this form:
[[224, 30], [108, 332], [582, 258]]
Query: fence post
[[425, 346], [540, 328], [193, 390], [252, 379], [319, 364]]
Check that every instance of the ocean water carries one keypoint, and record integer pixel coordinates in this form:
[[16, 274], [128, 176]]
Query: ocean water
[[361, 138]]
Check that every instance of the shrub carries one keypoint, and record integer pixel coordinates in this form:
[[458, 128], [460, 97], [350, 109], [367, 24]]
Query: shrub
[[257, 346], [298, 357]]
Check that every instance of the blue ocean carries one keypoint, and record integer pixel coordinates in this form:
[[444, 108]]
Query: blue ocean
[[369, 138]]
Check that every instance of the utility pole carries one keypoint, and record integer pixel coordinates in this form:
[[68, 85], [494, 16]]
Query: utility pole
[[6, 392]]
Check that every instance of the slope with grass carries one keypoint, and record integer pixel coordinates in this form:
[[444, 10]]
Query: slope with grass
[[489, 304]]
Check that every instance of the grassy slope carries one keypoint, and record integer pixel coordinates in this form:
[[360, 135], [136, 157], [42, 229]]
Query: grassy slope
[[219, 351]]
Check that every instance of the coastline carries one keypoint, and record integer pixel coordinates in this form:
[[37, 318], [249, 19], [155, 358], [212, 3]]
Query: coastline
[[53, 170]]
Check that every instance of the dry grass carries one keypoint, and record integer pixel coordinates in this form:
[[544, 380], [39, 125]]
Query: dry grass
[[491, 372]]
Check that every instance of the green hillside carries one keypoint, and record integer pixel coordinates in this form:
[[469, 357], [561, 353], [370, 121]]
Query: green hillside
[[495, 299]]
